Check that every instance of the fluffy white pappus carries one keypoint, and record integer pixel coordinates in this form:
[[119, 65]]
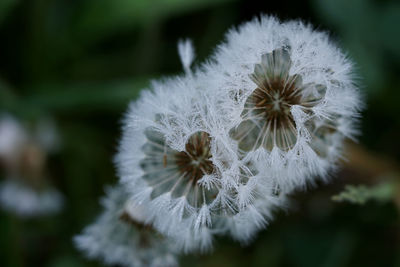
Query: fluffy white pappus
[[259, 199], [24, 201], [288, 95], [177, 160], [120, 236], [244, 226]]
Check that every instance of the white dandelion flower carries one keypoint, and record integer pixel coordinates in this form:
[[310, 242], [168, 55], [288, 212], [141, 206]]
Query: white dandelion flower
[[120, 235], [168, 159], [177, 161], [289, 95]]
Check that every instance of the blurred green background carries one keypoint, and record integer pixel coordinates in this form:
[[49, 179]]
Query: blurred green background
[[81, 62]]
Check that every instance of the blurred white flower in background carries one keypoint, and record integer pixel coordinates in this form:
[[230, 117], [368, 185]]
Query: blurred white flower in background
[[24, 201], [121, 236], [12, 138], [25, 189]]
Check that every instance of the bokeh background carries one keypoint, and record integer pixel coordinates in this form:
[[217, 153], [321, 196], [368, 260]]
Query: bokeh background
[[80, 62]]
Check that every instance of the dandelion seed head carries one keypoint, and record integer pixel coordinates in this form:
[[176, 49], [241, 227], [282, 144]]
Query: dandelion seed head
[[179, 162], [288, 95]]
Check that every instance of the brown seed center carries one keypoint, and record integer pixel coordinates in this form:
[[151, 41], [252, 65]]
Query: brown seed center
[[195, 161], [273, 100]]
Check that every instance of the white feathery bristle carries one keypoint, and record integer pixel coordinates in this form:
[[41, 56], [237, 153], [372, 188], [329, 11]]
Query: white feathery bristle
[[186, 54], [204, 218]]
